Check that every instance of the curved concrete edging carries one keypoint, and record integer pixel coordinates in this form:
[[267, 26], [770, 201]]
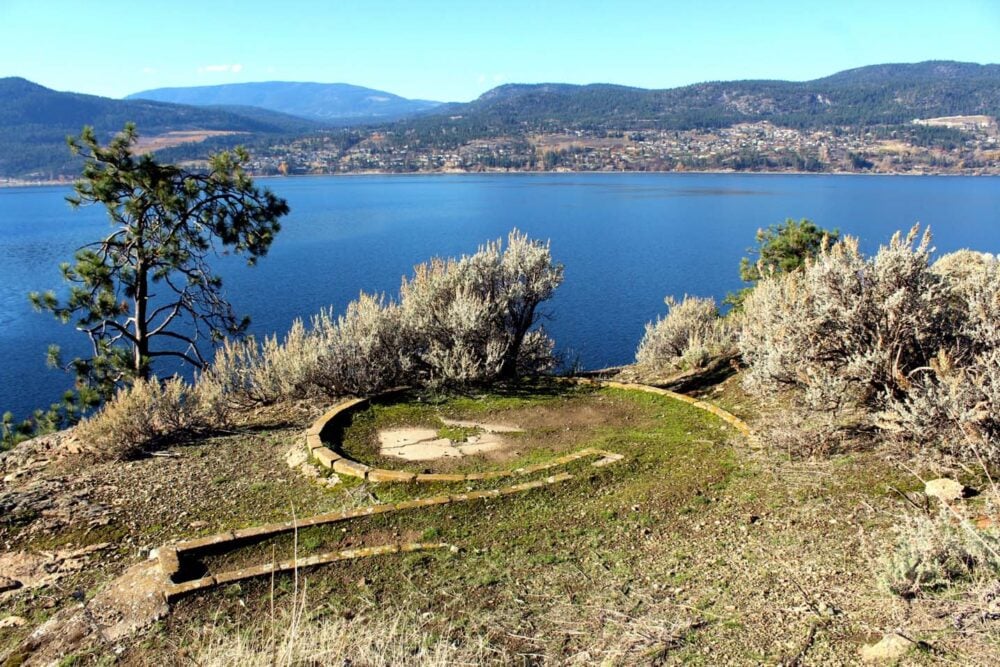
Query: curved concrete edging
[[333, 457], [725, 416], [169, 556]]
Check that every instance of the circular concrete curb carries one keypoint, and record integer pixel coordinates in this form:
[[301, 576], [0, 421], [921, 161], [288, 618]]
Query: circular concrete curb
[[333, 458], [173, 584]]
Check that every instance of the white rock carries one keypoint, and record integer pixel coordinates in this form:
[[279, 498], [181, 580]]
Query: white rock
[[944, 489], [890, 648], [296, 456]]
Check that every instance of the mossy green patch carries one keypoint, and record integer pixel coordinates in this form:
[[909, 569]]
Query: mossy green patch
[[458, 433]]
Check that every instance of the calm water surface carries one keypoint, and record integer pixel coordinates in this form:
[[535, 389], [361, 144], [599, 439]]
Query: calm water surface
[[627, 240]]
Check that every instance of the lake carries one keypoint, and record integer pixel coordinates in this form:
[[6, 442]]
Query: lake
[[627, 240]]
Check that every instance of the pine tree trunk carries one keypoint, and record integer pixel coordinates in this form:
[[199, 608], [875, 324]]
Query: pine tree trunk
[[141, 348]]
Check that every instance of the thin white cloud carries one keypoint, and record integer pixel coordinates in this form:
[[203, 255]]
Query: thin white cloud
[[149, 70], [235, 68]]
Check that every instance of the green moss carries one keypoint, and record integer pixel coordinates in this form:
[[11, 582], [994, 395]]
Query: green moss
[[458, 433]]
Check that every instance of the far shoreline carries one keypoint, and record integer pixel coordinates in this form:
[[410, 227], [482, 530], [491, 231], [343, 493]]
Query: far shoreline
[[13, 184]]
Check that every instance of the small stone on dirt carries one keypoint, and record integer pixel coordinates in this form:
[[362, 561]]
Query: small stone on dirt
[[944, 489], [8, 584], [296, 456], [13, 622], [890, 648]]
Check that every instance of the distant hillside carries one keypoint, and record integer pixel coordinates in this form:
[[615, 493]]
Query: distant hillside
[[35, 120], [875, 95], [335, 103], [879, 102]]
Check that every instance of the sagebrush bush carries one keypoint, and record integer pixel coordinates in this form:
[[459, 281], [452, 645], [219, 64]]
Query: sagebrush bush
[[892, 340], [468, 318], [363, 351], [688, 337], [247, 373], [137, 417], [457, 321], [936, 551], [953, 401], [848, 331]]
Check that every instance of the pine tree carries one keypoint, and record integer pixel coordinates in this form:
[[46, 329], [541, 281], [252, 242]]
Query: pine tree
[[146, 290]]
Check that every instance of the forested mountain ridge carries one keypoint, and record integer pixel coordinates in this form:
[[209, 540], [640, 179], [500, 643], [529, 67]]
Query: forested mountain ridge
[[335, 103], [35, 120], [874, 95], [859, 119]]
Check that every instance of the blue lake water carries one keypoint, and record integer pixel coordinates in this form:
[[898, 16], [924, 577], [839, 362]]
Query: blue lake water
[[627, 240]]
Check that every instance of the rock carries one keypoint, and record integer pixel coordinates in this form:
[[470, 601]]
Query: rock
[[944, 489], [195, 525], [296, 456], [8, 584], [126, 605], [890, 648], [13, 622]]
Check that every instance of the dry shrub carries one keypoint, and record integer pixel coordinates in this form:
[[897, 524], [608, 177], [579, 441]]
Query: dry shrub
[[845, 328], [458, 321], [954, 400], [363, 351], [938, 550], [468, 318], [953, 407], [145, 413], [688, 337], [537, 353], [852, 335], [246, 373]]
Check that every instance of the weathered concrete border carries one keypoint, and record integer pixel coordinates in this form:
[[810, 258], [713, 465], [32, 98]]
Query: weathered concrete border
[[169, 556], [173, 591], [725, 416], [333, 457]]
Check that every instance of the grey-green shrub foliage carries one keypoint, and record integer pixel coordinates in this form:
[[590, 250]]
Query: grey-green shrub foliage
[[935, 551], [457, 321], [892, 340], [954, 399], [690, 335], [362, 352], [469, 319], [149, 410]]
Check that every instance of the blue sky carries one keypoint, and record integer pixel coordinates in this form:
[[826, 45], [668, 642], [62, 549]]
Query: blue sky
[[457, 50]]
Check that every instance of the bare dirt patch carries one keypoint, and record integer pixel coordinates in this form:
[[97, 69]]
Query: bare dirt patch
[[427, 444], [504, 429], [178, 138]]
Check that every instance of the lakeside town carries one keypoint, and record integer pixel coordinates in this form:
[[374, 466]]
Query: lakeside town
[[758, 146], [970, 146]]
